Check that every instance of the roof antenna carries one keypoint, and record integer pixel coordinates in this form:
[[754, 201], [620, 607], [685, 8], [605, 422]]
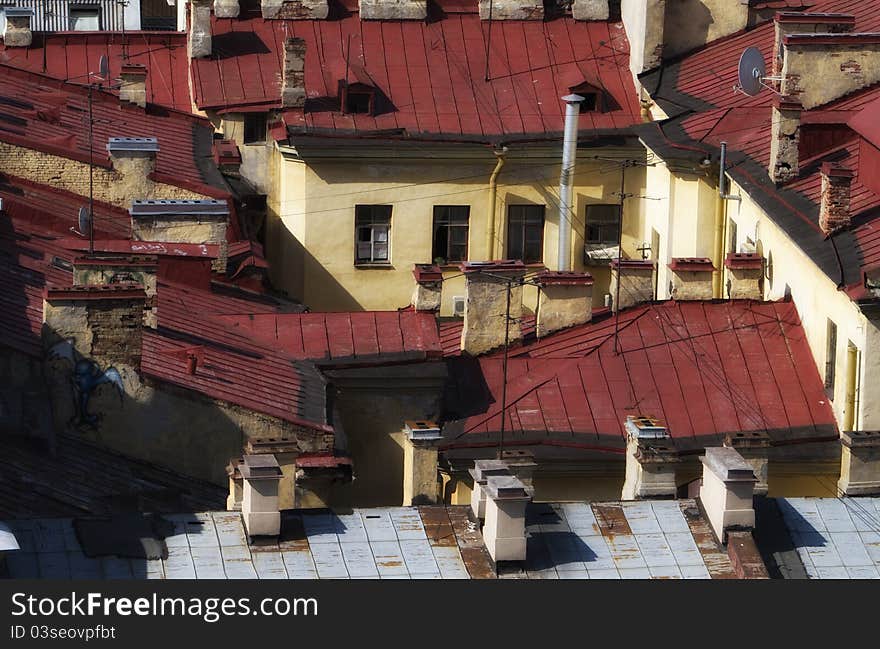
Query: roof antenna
[[752, 73], [489, 40], [102, 75]]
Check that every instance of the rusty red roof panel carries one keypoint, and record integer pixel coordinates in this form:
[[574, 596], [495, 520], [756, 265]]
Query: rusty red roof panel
[[72, 55], [704, 369], [432, 74], [48, 115]]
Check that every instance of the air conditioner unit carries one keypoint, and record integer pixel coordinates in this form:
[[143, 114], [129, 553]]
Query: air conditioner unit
[[458, 303]]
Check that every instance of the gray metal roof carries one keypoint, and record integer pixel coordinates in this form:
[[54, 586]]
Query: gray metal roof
[[835, 538], [387, 543]]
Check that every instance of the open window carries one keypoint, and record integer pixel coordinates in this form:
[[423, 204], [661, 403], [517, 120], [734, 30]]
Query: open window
[[357, 98], [85, 18], [372, 234]]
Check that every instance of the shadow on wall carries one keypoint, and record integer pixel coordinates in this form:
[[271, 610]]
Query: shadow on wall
[[689, 21], [114, 406]]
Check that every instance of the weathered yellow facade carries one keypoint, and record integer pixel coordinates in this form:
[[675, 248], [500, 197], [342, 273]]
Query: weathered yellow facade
[[314, 192]]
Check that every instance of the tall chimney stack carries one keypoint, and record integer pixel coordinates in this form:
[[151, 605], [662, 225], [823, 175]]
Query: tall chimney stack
[[134, 84], [199, 40], [293, 82], [18, 27], [785, 127], [834, 207], [493, 305]]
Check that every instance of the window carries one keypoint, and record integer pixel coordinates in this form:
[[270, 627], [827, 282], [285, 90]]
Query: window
[[603, 224], [731, 228], [357, 98], [450, 233], [372, 229], [85, 19], [254, 128], [830, 357], [525, 233]]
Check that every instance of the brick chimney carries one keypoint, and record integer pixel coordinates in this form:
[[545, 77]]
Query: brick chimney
[[486, 313], [133, 159], [819, 68], [727, 491], [745, 276], [226, 9], [429, 287], [691, 278], [590, 10], [295, 9], [293, 82], [565, 299], [636, 278], [133, 269], [785, 127], [261, 476], [18, 27], [199, 39], [105, 322], [651, 460], [504, 531], [393, 9], [134, 84], [182, 221], [794, 22], [834, 207], [512, 9], [859, 463]]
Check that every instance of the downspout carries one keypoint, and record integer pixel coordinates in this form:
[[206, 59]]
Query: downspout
[[721, 224], [493, 193], [852, 364], [569, 156]]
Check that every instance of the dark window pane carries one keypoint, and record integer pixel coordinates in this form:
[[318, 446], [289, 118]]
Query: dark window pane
[[603, 222], [372, 225], [525, 232], [450, 233], [254, 128]]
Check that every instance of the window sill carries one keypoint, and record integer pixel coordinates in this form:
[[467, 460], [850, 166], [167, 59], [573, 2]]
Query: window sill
[[368, 265]]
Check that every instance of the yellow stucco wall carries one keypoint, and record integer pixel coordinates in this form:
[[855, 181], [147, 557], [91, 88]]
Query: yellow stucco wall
[[311, 232]]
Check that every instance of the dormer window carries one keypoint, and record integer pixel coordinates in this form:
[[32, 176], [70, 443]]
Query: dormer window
[[357, 98], [594, 98]]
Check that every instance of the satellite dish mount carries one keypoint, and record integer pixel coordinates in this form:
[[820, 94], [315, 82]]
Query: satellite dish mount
[[752, 74]]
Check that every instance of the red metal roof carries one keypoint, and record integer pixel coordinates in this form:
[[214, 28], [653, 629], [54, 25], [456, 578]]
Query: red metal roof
[[48, 115], [368, 336], [703, 368], [72, 55], [432, 74]]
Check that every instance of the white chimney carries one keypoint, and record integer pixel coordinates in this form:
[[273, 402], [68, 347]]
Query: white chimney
[[691, 278], [565, 300], [420, 451], [393, 9], [259, 504], [481, 472], [429, 287], [727, 492], [860, 462], [569, 157], [494, 303], [504, 531], [651, 460], [199, 40]]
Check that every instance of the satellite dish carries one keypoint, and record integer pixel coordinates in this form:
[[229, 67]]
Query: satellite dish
[[751, 71], [104, 67], [83, 221]]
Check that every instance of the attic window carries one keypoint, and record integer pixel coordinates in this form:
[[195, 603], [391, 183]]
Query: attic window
[[594, 98], [357, 98]]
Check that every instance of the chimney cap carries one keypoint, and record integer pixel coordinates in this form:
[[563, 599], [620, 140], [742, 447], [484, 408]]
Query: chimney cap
[[155, 207], [260, 467], [573, 98], [506, 487], [808, 18], [728, 464], [744, 260], [120, 291], [642, 427], [563, 278], [836, 170], [860, 438], [134, 69], [645, 264], [496, 266], [693, 264], [421, 429], [485, 468], [150, 144], [427, 273], [16, 12]]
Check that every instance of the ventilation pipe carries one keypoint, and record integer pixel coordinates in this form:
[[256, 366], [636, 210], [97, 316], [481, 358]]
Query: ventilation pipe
[[493, 194], [569, 154]]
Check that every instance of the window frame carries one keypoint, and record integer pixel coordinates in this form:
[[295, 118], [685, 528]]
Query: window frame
[[375, 219], [84, 9], [246, 129], [601, 224], [453, 222], [523, 218]]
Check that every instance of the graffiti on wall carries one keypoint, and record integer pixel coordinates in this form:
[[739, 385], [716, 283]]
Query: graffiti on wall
[[85, 378]]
